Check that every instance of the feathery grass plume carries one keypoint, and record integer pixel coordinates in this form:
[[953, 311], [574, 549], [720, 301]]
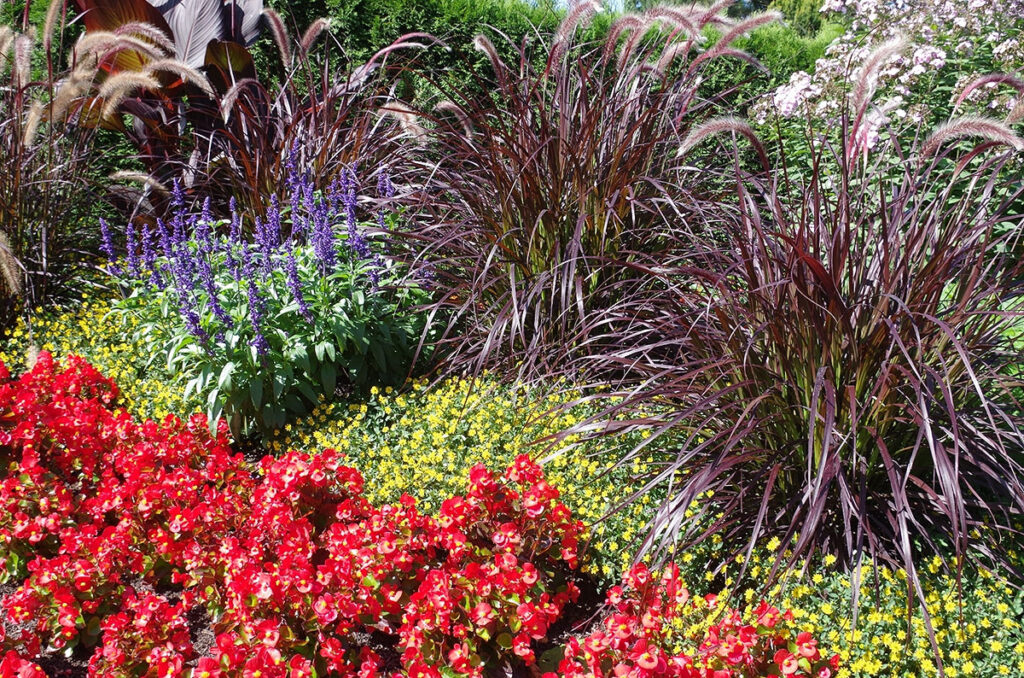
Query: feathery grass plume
[[280, 34], [482, 43], [183, 71], [632, 42], [227, 102], [1017, 114], [628, 24], [990, 130], [32, 120], [140, 177], [78, 82], [734, 32], [451, 107], [21, 64], [676, 17], [50, 22], [10, 272], [998, 78], [867, 80], [102, 44], [148, 31], [714, 14], [406, 117], [7, 36], [720, 126], [671, 53], [119, 86], [313, 32], [577, 17]]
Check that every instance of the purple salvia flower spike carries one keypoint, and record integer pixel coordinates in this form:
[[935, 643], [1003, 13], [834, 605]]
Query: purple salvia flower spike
[[295, 285], [132, 247], [107, 241]]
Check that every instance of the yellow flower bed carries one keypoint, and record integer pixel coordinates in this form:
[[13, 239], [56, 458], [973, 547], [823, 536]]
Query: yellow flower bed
[[979, 635]]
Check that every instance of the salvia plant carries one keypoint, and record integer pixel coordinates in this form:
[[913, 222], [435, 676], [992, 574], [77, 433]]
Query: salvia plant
[[846, 376], [265, 327], [556, 190]]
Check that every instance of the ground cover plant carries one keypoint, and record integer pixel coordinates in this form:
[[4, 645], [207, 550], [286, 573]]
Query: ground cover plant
[[118, 531]]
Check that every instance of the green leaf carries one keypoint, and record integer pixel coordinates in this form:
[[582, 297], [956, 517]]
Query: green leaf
[[224, 382], [329, 378], [256, 392]]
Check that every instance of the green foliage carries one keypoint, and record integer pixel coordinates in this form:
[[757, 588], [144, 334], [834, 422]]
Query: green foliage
[[780, 48], [803, 15], [364, 26]]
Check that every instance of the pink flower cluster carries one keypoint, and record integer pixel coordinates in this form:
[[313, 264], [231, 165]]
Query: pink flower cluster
[[936, 30]]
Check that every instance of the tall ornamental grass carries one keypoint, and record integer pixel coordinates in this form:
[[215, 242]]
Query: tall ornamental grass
[[553, 194]]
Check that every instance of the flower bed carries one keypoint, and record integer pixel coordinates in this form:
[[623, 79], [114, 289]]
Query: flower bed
[[132, 543]]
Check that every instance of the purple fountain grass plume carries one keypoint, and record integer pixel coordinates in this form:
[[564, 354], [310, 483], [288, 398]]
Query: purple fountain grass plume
[[988, 79], [626, 25], [578, 16], [990, 130], [313, 31], [407, 120], [720, 126], [867, 80], [713, 15], [676, 17], [482, 43], [460, 115], [280, 34], [725, 42]]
